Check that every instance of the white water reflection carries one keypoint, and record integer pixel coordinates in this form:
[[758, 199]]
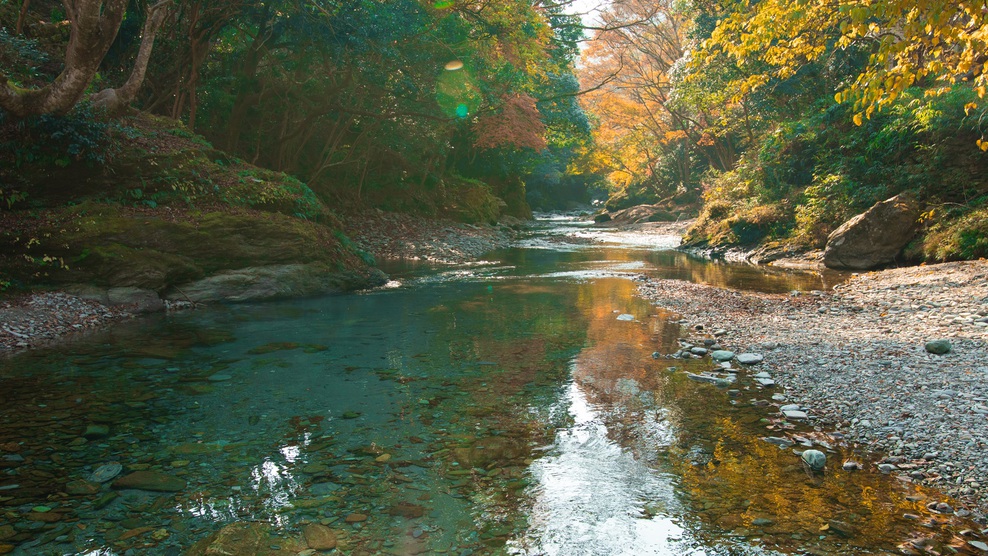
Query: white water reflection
[[594, 498]]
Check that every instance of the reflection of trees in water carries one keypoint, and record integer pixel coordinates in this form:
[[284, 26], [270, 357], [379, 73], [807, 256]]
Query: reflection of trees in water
[[738, 276], [729, 475]]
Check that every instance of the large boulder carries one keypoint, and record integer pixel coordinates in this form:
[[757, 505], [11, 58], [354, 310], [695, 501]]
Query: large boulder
[[874, 237]]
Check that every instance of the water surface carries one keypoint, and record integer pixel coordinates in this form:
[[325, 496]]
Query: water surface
[[508, 407]]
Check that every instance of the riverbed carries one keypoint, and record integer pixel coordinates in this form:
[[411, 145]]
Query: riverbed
[[524, 404]]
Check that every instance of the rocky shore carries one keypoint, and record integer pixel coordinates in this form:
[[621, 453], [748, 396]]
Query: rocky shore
[[37, 319], [858, 362], [389, 235]]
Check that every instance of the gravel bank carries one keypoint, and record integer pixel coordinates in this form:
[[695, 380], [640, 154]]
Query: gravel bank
[[388, 235], [855, 360], [38, 319]]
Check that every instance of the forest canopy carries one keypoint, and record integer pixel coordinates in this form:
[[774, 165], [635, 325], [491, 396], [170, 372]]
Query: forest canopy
[[404, 103], [784, 119]]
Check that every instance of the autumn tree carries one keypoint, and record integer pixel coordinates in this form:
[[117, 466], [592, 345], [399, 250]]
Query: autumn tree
[[627, 69], [937, 43]]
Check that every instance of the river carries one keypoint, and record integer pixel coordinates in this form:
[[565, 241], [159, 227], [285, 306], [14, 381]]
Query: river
[[521, 405]]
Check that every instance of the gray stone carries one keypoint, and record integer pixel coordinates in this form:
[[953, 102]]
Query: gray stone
[[626, 317], [979, 545], [274, 282], [790, 407], [766, 382], [710, 379], [779, 441], [722, 355], [815, 460], [139, 300], [795, 414], [750, 358], [106, 472], [886, 468], [874, 237], [938, 347], [698, 351]]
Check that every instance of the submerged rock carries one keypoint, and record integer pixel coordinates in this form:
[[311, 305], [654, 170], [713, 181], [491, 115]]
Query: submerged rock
[[241, 539], [319, 536], [106, 472], [722, 355], [94, 432], [150, 480], [814, 460]]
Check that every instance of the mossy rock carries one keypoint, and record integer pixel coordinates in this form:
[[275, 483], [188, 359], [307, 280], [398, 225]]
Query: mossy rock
[[114, 246]]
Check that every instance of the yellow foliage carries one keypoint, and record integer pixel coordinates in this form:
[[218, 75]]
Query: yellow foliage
[[939, 40]]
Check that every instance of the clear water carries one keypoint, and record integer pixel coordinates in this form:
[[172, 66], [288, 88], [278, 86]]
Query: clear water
[[499, 408]]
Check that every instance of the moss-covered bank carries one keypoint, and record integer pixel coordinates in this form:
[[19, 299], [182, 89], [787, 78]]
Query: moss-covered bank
[[152, 206]]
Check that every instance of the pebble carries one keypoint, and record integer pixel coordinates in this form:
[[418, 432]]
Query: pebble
[[795, 414], [938, 347], [106, 472]]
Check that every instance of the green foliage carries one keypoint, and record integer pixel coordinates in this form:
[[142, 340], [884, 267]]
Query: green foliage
[[471, 201], [349, 245], [80, 136], [961, 235], [20, 58], [828, 169], [273, 192]]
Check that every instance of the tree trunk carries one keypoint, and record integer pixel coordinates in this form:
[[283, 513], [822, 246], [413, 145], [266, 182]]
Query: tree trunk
[[115, 101], [94, 27], [19, 28]]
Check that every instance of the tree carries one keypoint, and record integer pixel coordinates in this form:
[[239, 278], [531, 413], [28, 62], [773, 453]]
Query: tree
[[94, 26], [115, 101], [938, 43]]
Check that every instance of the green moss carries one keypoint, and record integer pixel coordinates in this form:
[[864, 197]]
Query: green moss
[[472, 201], [110, 245], [964, 237]]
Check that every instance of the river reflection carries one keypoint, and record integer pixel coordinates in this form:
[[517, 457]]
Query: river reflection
[[500, 409]]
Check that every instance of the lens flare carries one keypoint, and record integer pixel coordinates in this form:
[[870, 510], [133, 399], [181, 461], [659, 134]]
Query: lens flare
[[457, 93]]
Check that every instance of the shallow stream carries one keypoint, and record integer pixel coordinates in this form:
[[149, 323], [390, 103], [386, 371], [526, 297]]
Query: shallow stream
[[507, 407]]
